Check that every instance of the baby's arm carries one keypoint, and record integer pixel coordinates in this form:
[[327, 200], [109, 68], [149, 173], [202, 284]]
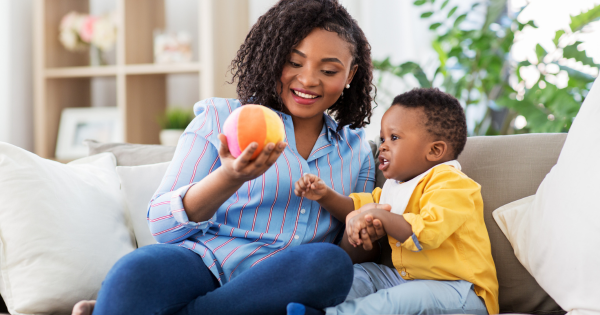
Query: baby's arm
[[312, 187]]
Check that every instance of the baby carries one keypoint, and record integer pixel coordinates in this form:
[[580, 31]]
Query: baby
[[440, 246]]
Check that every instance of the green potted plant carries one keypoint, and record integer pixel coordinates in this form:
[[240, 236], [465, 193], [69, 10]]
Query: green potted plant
[[173, 122]]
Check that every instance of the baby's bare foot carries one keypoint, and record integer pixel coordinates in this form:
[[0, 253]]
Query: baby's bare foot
[[83, 308]]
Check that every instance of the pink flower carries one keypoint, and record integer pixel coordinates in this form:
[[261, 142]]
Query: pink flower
[[86, 32]]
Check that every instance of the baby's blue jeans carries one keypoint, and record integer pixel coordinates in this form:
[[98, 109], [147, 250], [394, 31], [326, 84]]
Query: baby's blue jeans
[[168, 279], [378, 289]]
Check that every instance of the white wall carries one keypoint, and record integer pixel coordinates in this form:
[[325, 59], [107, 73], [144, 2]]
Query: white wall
[[4, 72], [16, 78]]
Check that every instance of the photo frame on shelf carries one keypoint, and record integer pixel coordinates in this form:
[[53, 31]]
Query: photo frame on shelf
[[172, 47], [102, 124]]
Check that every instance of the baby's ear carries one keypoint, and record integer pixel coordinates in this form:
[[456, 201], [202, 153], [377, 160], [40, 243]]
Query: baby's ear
[[437, 151]]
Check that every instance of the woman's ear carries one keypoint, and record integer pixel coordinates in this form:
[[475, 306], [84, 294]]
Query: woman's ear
[[437, 151], [351, 74]]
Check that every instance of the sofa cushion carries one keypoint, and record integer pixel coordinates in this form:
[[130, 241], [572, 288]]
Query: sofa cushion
[[133, 154], [509, 168], [138, 184]]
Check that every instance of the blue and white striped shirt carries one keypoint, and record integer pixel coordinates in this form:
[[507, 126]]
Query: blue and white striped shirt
[[264, 216]]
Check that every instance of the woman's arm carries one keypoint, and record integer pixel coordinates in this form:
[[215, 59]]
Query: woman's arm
[[204, 198]]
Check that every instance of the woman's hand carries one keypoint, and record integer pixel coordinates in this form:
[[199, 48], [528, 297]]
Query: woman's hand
[[242, 169], [310, 186]]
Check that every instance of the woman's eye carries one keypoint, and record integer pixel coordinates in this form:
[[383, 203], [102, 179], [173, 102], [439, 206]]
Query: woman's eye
[[296, 65], [327, 72]]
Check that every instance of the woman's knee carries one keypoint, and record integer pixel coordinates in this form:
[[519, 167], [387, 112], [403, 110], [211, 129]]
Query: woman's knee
[[137, 265], [316, 256]]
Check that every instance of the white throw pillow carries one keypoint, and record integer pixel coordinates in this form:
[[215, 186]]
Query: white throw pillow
[[557, 237], [62, 227], [513, 220], [138, 184]]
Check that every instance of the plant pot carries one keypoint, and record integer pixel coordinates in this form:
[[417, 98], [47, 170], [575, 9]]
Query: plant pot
[[170, 136]]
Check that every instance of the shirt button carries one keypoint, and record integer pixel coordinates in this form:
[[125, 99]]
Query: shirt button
[[303, 211], [296, 237], [403, 273], [398, 244]]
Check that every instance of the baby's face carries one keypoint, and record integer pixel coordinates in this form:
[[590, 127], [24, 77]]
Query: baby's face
[[404, 143]]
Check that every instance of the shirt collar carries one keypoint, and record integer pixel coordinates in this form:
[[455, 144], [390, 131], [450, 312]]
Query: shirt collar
[[330, 124], [331, 127]]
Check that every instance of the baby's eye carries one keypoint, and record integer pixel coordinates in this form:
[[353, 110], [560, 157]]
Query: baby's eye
[[381, 140], [393, 137]]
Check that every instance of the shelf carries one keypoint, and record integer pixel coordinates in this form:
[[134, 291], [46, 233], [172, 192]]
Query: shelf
[[81, 72], [153, 68], [104, 71], [64, 79]]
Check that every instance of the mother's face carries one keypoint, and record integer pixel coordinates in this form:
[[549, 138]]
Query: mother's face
[[315, 74]]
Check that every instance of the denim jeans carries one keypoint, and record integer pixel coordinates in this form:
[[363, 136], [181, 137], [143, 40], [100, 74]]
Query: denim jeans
[[168, 279], [378, 289]]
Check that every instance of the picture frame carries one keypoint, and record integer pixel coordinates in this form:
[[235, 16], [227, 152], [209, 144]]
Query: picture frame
[[103, 124], [172, 47]]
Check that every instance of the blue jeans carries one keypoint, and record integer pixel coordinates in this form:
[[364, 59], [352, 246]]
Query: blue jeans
[[378, 289], [168, 279]]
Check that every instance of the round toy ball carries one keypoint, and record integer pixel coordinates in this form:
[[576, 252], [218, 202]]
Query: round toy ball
[[252, 123]]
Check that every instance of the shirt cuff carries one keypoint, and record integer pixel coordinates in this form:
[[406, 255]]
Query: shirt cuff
[[361, 199], [180, 215], [416, 222]]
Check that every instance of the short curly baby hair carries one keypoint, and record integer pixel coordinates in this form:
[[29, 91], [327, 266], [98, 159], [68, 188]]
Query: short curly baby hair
[[445, 117]]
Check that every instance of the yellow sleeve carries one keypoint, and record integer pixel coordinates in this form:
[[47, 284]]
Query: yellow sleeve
[[447, 202], [361, 199]]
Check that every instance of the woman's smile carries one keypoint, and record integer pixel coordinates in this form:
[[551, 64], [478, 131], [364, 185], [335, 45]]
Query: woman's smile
[[304, 97]]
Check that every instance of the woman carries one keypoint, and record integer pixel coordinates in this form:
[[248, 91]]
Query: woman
[[246, 243]]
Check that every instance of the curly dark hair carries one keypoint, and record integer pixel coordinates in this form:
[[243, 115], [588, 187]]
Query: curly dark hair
[[445, 116], [261, 58]]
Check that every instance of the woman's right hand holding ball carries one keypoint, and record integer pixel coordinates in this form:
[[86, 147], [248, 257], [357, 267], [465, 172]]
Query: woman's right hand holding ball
[[242, 168]]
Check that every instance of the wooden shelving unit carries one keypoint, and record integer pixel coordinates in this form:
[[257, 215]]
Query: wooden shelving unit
[[63, 78]]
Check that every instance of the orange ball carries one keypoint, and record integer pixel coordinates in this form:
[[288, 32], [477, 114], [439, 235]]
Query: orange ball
[[252, 123]]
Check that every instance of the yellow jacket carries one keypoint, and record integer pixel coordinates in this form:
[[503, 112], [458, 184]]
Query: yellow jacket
[[446, 214]]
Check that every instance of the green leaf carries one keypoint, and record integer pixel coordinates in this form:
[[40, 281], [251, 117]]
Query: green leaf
[[530, 23], [452, 11], [540, 52], [460, 19], [585, 18], [571, 51], [420, 2], [434, 26], [444, 4], [495, 9], [475, 5], [578, 75], [426, 14], [443, 57], [557, 36]]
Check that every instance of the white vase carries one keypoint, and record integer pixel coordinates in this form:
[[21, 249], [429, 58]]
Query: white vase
[[170, 136]]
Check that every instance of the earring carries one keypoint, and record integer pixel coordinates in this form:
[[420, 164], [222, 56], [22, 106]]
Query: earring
[[348, 85]]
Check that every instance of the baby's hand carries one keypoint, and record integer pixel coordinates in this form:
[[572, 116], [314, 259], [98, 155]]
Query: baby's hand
[[362, 228], [310, 186]]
